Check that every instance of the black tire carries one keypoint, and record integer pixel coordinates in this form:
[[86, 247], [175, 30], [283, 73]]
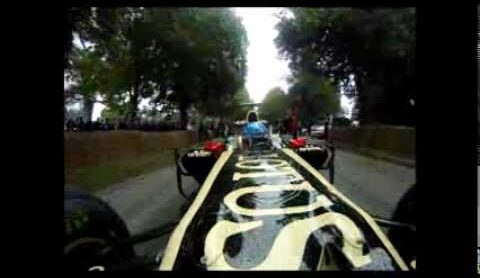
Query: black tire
[[403, 239], [93, 232]]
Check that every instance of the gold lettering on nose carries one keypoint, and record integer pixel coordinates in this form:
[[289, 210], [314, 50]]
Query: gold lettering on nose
[[261, 164], [242, 157], [289, 246], [281, 171], [231, 200]]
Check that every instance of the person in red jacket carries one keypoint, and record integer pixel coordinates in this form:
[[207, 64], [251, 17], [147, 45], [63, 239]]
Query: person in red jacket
[[293, 125]]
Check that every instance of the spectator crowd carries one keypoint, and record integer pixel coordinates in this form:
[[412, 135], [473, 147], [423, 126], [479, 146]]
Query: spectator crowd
[[79, 125]]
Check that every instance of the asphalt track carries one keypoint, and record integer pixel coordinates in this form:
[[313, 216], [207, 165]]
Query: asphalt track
[[150, 200]]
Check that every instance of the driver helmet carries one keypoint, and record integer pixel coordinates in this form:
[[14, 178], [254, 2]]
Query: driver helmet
[[254, 128]]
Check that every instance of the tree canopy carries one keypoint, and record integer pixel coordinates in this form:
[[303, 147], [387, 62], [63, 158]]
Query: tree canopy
[[183, 56], [314, 96], [370, 53], [274, 105], [237, 109]]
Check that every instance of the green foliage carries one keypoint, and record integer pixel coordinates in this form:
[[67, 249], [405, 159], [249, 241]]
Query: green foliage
[[374, 46], [106, 173], [114, 112], [176, 55], [235, 109], [314, 96], [274, 106]]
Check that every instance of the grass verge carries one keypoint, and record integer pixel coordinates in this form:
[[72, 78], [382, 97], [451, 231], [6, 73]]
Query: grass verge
[[104, 174]]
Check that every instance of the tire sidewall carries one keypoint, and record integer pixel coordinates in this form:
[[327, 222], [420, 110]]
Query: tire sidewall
[[87, 218]]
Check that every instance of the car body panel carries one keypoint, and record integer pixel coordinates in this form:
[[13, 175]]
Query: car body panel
[[272, 210]]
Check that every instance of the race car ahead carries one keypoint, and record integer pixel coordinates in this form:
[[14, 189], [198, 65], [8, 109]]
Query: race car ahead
[[262, 205]]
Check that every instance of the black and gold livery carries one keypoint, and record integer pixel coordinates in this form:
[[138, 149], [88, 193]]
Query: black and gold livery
[[270, 209]]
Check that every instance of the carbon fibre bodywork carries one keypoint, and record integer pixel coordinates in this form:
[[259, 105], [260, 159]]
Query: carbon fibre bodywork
[[270, 209]]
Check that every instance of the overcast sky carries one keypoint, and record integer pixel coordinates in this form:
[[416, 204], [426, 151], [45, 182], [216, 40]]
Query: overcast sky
[[265, 68]]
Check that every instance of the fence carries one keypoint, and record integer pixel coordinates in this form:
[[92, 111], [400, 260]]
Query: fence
[[89, 148], [396, 140]]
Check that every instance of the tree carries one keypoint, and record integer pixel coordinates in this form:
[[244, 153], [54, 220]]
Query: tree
[[87, 79], [171, 55], [204, 57], [238, 108], [314, 97], [97, 80], [104, 64], [370, 53], [274, 105]]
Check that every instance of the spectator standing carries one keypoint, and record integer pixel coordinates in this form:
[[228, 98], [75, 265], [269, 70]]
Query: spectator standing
[[80, 125], [70, 125], [221, 128], [293, 122]]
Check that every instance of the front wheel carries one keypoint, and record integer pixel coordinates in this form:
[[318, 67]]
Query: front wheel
[[94, 233], [405, 239]]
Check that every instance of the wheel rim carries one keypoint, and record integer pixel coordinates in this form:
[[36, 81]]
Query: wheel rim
[[83, 253]]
